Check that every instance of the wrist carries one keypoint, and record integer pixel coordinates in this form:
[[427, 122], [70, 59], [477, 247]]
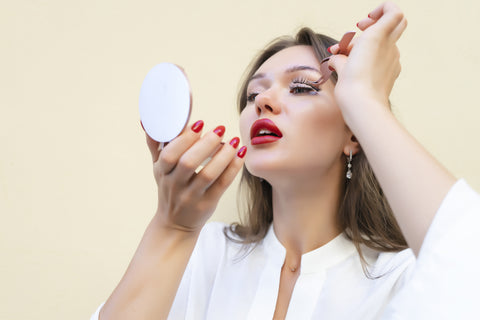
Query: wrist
[[363, 111], [162, 222]]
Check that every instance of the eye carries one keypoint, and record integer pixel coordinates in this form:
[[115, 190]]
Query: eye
[[303, 86], [302, 89], [251, 96]]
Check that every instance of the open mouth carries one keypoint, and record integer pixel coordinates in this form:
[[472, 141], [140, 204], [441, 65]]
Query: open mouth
[[264, 131]]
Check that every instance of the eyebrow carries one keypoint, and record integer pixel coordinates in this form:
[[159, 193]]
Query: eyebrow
[[289, 70]]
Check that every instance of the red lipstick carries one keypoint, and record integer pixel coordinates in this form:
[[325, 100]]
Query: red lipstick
[[264, 131]]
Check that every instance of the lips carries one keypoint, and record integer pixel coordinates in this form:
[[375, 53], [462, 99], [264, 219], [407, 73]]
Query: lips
[[264, 131]]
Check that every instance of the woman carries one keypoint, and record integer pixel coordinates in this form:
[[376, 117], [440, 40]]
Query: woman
[[320, 240]]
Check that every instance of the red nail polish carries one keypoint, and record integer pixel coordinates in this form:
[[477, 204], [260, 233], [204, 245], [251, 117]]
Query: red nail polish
[[358, 24], [197, 126], [329, 51], [142, 125], [241, 153], [234, 142], [331, 68], [369, 16], [219, 131]]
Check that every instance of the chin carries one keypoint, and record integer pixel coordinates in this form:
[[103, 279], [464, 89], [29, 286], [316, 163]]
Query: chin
[[265, 166]]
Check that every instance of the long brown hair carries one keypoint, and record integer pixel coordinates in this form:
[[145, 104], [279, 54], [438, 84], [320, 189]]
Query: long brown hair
[[364, 213]]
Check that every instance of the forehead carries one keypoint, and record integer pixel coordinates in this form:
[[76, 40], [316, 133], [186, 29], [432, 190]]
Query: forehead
[[286, 58]]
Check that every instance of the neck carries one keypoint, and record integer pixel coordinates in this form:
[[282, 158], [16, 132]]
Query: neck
[[305, 213]]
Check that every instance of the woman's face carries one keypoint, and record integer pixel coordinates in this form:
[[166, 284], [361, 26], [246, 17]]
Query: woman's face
[[309, 134]]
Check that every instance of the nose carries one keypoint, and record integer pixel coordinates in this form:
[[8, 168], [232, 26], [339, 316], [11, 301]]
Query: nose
[[267, 102]]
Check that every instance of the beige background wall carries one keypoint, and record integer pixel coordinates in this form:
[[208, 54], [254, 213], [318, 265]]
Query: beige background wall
[[76, 190]]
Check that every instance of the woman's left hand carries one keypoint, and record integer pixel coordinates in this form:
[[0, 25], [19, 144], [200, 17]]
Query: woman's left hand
[[367, 75]]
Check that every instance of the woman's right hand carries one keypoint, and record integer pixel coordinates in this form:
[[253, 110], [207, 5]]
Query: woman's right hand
[[187, 199]]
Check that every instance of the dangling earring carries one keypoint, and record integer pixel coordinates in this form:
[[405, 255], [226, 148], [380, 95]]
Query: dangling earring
[[349, 167]]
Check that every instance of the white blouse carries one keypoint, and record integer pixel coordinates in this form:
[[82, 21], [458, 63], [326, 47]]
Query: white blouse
[[222, 281]]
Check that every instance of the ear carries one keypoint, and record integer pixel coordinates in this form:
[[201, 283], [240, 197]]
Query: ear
[[351, 144]]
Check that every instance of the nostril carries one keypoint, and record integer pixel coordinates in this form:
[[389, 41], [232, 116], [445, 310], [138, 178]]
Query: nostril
[[264, 108]]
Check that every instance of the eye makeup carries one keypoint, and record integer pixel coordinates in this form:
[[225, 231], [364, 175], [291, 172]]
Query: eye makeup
[[305, 83]]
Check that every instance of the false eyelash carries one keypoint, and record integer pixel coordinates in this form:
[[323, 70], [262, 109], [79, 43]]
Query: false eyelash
[[312, 84]]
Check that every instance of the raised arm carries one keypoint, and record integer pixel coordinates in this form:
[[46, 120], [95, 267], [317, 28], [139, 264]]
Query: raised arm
[[413, 181], [185, 201]]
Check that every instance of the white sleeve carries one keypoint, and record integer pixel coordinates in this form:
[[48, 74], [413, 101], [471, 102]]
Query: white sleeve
[[446, 279], [97, 313]]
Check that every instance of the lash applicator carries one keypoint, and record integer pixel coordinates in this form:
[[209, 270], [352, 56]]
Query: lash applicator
[[342, 49]]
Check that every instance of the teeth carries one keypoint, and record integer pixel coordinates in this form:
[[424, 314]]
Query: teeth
[[264, 131]]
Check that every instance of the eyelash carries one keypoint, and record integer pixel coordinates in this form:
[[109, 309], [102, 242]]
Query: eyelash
[[302, 84], [251, 97]]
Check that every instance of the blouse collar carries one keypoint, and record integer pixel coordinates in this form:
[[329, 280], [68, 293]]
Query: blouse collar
[[318, 260]]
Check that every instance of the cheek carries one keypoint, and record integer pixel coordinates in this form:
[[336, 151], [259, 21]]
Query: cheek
[[321, 130], [247, 117]]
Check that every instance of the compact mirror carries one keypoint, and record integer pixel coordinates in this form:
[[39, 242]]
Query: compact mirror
[[165, 102]]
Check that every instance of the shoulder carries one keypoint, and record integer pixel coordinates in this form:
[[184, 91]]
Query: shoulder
[[217, 237], [212, 234], [395, 260], [395, 268]]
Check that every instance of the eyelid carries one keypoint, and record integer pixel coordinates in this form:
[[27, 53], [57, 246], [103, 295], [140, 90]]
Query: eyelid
[[305, 83]]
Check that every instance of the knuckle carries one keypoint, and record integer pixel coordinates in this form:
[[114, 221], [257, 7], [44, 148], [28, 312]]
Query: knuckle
[[167, 159], [223, 183], [398, 16], [397, 53], [187, 163], [206, 176]]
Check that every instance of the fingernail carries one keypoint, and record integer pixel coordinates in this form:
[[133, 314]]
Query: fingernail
[[369, 16], [329, 51], [241, 153], [219, 131], [358, 24], [234, 142], [197, 126], [331, 68]]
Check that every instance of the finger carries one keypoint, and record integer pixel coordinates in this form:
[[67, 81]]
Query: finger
[[365, 23], [388, 16], [398, 31], [153, 146], [198, 153], [227, 176], [337, 63], [380, 10], [343, 45], [168, 158], [215, 167], [333, 49]]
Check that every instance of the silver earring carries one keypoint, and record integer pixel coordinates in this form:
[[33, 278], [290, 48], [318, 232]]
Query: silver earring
[[349, 167]]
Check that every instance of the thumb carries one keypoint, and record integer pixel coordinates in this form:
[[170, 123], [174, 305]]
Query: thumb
[[152, 145], [337, 62]]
